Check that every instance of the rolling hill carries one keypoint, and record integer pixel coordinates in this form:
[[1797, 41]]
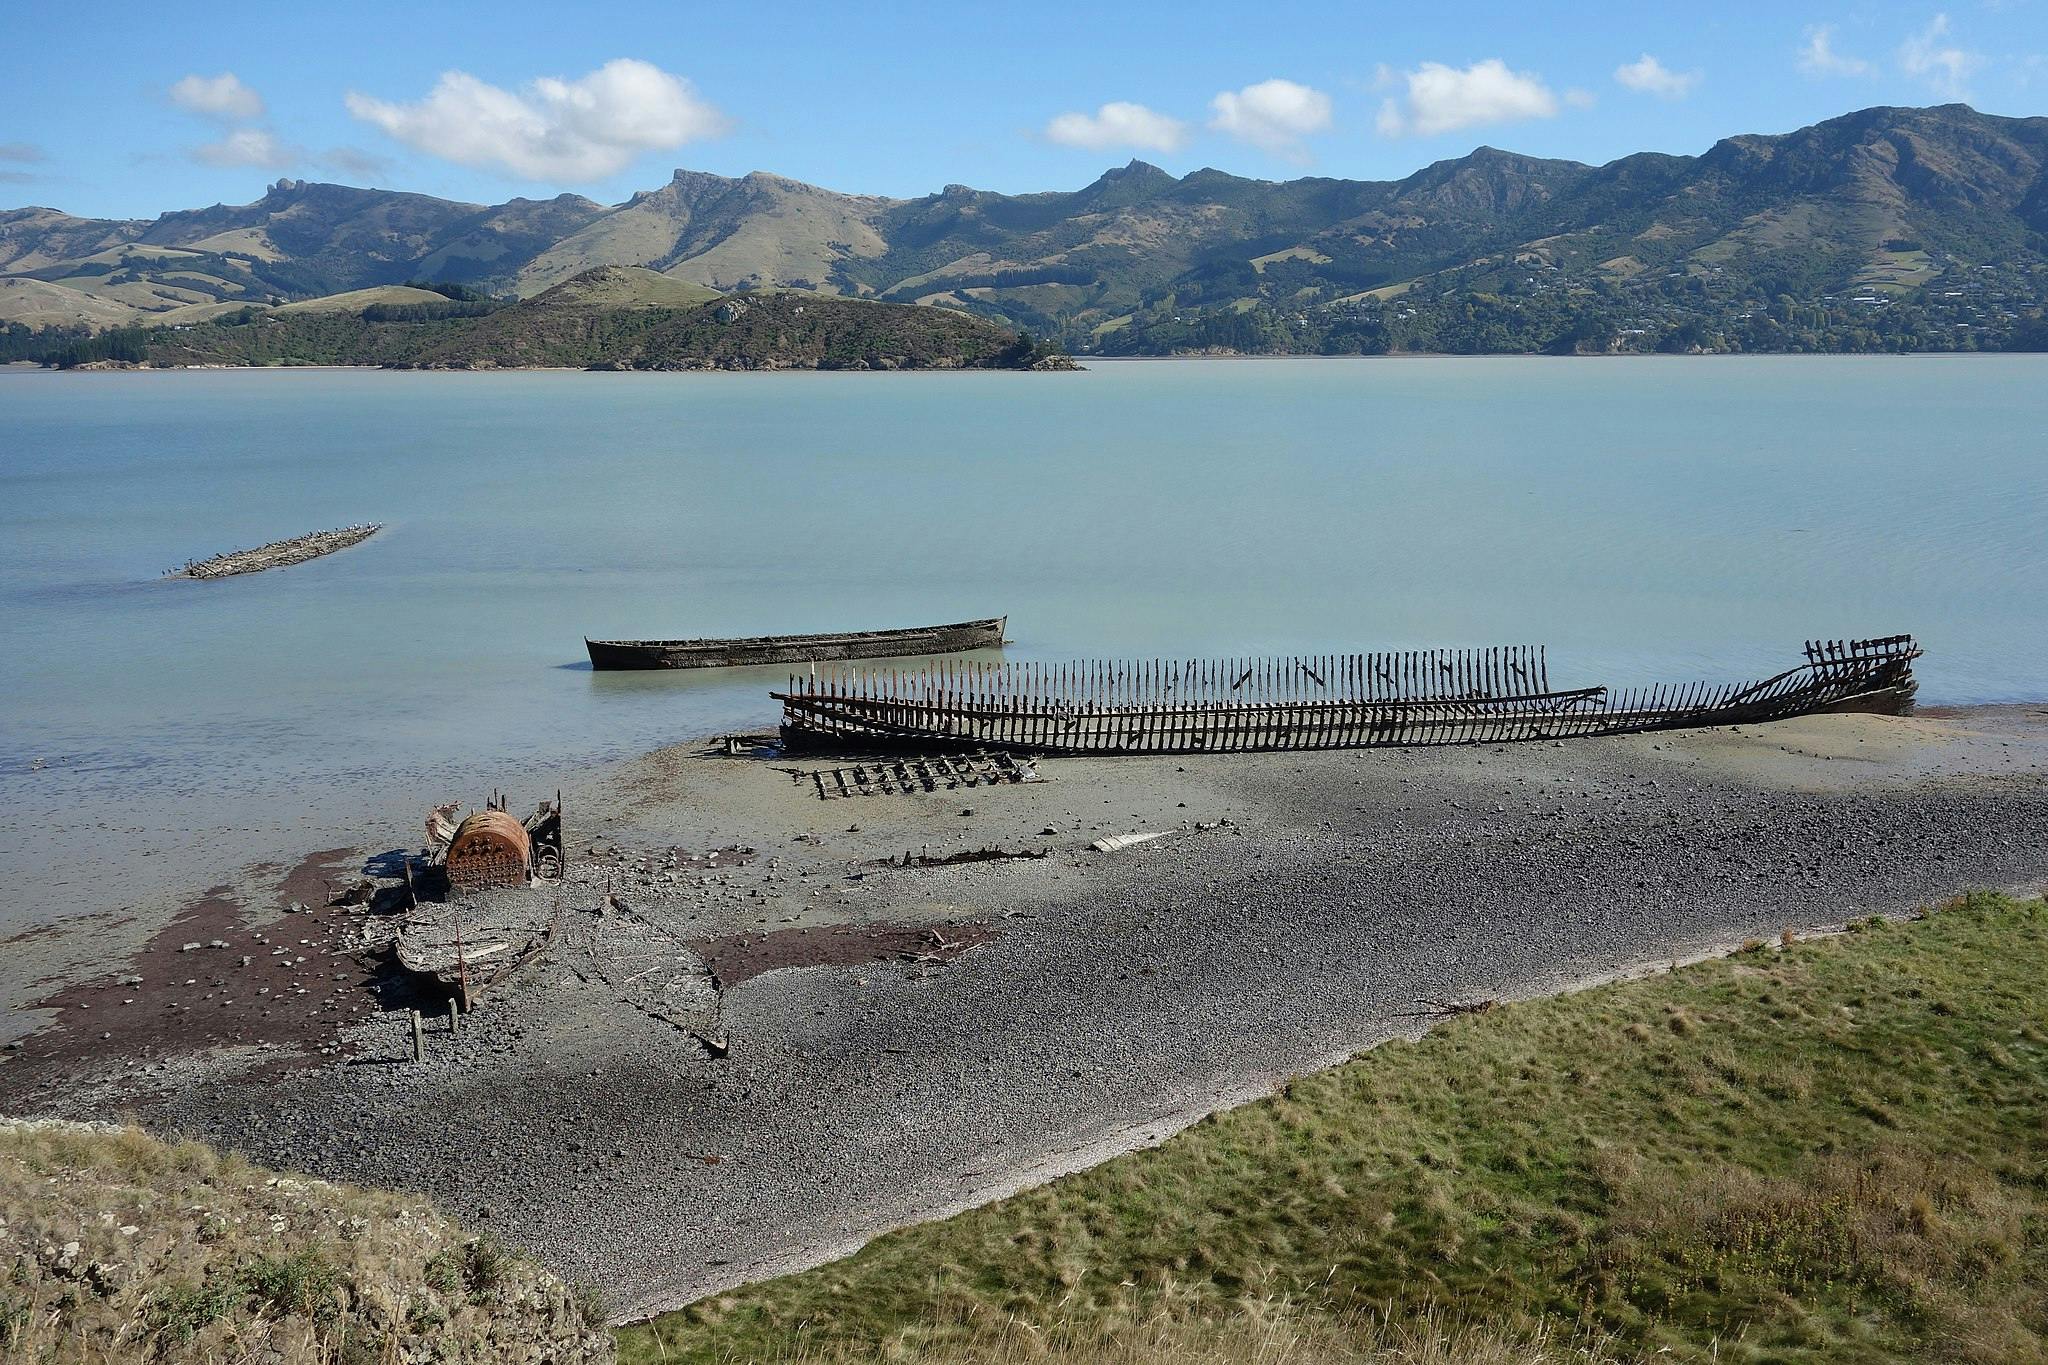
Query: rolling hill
[[610, 317], [1890, 228]]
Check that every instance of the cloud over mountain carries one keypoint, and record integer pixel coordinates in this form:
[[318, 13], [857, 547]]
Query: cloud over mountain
[[1442, 99], [1273, 115], [1819, 58], [1928, 56], [247, 147], [1648, 76], [563, 130], [222, 97], [1118, 124]]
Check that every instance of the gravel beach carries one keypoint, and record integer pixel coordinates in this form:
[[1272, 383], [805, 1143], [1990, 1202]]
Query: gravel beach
[[905, 1041]]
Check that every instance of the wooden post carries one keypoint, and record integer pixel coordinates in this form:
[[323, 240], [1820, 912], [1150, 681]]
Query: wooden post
[[419, 1038], [454, 1017]]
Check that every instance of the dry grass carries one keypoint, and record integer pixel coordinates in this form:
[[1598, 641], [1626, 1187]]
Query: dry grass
[[1261, 1335], [115, 1246]]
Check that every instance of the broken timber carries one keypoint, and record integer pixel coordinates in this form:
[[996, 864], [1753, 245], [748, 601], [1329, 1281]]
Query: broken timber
[[1421, 697], [910, 775]]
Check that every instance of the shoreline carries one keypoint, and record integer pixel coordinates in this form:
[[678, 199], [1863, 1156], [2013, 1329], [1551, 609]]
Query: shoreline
[[1081, 363], [1304, 901], [1156, 1130]]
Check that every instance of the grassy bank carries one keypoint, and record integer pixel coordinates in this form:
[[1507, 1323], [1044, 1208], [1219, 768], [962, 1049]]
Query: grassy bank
[[116, 1247], [1818, 1150]]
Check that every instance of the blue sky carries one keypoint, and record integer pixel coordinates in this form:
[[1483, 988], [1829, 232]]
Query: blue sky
[[130, 109]]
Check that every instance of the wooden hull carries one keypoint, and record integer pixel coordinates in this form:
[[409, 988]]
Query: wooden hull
[[786, 649], [1355, 701]]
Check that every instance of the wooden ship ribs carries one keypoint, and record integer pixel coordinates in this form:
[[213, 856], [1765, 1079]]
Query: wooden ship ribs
[[1426, 697]]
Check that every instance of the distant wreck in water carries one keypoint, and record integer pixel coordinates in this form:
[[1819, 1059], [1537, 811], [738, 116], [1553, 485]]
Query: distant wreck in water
[[788, 649], [1424, 697], [277, 554]]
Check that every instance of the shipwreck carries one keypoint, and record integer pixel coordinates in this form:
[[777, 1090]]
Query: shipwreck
[[491, 848], [956, 638], [1420, 697]]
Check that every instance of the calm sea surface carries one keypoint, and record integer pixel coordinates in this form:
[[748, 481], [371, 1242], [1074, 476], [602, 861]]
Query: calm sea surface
[[1648, 519]]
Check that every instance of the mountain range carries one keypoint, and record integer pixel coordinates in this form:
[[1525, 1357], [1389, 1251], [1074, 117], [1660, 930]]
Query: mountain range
[[1890, 228]]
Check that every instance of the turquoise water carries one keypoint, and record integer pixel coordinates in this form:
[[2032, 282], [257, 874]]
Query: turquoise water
[[1652, 519]]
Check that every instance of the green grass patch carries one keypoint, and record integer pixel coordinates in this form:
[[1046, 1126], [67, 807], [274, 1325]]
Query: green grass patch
[[1828, 1150]]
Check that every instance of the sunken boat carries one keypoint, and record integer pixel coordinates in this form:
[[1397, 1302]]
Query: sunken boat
[[1423, 697], [785, 649]]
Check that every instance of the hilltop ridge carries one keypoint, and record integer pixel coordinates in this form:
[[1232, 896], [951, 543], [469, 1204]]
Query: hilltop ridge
[[1886, 228]]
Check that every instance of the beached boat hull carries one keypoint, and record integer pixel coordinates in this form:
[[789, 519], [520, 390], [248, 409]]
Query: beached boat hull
[[1429, 697], [786, 649]]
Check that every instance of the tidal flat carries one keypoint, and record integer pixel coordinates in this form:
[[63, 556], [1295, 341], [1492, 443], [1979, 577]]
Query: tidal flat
[[1303, 907]]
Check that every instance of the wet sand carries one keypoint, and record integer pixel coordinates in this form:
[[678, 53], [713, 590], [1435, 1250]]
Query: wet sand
[[907, 1041]]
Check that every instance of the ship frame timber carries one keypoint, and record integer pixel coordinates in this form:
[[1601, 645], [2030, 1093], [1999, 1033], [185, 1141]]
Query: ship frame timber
[[1411, 698]]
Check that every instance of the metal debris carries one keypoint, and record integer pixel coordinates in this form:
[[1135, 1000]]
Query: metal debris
[[909, 775]]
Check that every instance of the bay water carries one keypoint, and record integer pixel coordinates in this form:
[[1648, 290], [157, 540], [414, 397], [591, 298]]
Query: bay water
[[1652, 519]]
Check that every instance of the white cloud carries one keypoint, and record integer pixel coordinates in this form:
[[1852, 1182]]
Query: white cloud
[[1440, 98], [247, 147], [354, 161], [1944, 67], [585, 129], [1648, 76], [1275, 115], [1819, 58], [222, 97], [20, 151], [1118, 124]]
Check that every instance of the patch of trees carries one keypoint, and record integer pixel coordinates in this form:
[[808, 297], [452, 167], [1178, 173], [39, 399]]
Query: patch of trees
[[448, 289], [19, 341], [126, 345], [430, 312]]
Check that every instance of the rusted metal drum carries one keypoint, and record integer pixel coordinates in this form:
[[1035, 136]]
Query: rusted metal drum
[[490, 849]]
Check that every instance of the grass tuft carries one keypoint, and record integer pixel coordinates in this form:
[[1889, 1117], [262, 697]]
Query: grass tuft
[[116, 1247]]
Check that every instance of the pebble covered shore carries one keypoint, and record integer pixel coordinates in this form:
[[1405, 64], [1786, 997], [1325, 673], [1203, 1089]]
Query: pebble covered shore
[[1299, 908]]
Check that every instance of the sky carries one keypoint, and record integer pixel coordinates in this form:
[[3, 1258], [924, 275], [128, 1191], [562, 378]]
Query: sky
[[131, 109]]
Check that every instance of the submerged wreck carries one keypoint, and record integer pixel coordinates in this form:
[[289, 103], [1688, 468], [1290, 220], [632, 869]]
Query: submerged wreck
[[786, 649], [278, 554], [1423, 697]]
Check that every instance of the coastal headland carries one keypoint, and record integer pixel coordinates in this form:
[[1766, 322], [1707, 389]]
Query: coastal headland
[[896, 1042]]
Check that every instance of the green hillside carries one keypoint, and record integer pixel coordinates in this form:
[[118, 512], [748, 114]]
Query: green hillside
[[626, 286], [356, 300], [1887, 229], [607, 318]]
